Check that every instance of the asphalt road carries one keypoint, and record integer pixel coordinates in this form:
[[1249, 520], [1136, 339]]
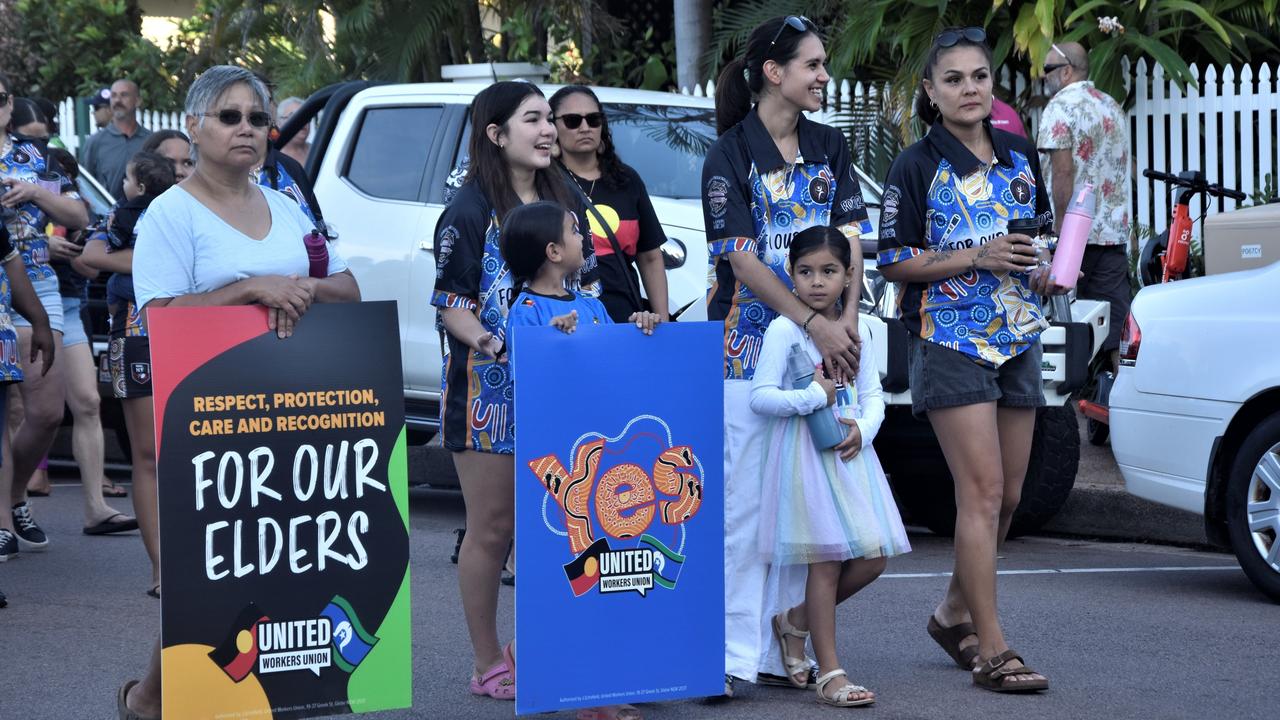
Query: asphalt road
[[1123, 631]]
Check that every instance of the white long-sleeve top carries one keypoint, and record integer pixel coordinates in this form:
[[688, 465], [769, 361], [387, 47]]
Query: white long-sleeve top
[[772, 391]]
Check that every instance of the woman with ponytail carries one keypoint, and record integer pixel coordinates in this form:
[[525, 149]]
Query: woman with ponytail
[[771, 174]]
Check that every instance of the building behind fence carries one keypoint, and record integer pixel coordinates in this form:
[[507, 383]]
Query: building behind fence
[[1226, 126]]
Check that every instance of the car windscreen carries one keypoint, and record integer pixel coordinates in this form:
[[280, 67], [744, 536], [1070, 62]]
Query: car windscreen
[[665, 144]]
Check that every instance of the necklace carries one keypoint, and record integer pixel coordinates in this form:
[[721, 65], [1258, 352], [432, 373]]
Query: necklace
[[591, 190]]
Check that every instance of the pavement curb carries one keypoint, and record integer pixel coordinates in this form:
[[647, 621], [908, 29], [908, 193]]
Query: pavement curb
[[1110, 512]]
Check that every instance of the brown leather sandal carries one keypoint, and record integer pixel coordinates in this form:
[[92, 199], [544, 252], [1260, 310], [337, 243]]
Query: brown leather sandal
[[949, 638], [996, 675]]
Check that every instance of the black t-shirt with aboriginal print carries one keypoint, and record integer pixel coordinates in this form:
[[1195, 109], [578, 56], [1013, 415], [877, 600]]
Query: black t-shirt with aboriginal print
[[626, 207]]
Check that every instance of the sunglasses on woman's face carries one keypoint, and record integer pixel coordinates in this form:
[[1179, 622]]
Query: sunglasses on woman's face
[[573, 120], [4, 98], [948, 38], [232, 118]]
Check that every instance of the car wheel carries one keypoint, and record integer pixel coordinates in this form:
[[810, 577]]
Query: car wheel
[[1253, 506], [923, 485], [1051, 470], [1097, 432]]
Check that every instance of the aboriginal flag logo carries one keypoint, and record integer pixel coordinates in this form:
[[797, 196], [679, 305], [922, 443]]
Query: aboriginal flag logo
[[238, 652]]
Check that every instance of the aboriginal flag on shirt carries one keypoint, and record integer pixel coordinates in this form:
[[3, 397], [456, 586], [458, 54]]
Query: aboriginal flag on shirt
[[625, 205]]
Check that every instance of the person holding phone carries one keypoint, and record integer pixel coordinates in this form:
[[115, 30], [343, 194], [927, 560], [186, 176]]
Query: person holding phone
[[971, 303]]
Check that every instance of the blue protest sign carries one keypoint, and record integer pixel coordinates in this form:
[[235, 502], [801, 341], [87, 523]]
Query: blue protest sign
[[619, 515]]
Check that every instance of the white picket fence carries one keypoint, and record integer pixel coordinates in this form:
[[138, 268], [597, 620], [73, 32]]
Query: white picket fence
[[1226, 126], [71, 133]]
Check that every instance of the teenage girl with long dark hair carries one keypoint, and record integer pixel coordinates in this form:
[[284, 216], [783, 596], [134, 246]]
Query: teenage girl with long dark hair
[[511, 140], [771, 174]]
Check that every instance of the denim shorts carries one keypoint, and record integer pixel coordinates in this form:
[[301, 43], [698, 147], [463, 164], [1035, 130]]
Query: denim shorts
[[72, 324], [47, 290], [945, 378]]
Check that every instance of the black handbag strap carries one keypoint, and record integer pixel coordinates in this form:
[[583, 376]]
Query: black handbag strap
[[633, 289]]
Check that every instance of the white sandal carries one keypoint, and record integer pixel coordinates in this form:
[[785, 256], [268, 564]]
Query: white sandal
[[841, 696], [782, 628]]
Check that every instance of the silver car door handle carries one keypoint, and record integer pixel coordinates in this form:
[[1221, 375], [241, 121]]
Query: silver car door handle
[[424, 245]]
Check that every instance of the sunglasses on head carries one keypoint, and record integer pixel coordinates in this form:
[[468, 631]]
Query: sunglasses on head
[[232, 118], [949, 37], [799, 23], [573, 120]]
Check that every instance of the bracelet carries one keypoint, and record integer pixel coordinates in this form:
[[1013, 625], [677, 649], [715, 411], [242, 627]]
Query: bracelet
[[805, 325]]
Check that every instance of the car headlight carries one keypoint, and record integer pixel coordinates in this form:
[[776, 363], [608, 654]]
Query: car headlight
[[674, 253]]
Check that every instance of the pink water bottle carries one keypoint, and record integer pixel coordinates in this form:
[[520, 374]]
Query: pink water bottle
[[317, 254], [1076, 225]]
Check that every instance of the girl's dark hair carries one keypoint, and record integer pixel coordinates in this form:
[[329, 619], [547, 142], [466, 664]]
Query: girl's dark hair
[[25, 112], [526, 232], [742, 79], [926, 111], [819, 237], [65, 161], [612, 170], [153, 171], [157, 138], [50, 113], [494, 106]]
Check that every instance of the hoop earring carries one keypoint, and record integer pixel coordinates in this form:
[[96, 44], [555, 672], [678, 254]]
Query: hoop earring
[[933, 105]]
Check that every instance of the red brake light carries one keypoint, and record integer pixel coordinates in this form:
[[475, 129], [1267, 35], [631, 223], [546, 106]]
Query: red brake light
[[1130, 341]]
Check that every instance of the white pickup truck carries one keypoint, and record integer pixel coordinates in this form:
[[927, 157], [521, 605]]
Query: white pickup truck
[[381, 164]]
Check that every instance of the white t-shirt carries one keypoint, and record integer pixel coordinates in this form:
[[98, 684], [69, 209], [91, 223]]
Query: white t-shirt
[[184, 248]]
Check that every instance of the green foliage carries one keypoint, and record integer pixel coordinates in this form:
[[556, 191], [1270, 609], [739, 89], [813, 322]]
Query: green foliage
[[76, 43]]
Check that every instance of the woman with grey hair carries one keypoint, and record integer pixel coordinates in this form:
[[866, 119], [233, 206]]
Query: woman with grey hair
[[298, 146], [217, 238]]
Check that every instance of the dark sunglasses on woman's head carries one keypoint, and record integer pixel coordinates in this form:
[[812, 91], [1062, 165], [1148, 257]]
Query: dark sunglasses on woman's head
[[949, 37], [232, 118], [799, 23], [573, 120]]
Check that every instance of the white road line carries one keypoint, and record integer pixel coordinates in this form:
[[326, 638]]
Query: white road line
[[1078, 571]]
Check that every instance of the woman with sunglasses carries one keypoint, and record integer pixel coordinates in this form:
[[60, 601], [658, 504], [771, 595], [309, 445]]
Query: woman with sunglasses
[[621, 200], [217, 238], [971, 302], [32, 196], [771, 174]]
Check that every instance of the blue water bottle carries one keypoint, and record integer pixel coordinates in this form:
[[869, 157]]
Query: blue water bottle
[[827, 432]]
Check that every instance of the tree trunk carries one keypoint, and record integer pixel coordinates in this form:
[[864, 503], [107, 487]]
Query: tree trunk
[[693, 38], [588, 38], [473, 31]]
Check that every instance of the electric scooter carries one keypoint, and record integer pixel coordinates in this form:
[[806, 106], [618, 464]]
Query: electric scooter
[[1163, 259]]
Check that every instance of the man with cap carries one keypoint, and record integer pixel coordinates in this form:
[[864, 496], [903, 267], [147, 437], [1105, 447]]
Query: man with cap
[[100, 103], [106, 153]]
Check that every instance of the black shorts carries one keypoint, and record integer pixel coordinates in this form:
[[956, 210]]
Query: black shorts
[[944, 378], [1106, 277], [129, 359]]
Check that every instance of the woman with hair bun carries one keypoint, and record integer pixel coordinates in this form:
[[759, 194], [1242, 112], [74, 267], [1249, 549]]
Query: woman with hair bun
[[971, 304], [771, 174]]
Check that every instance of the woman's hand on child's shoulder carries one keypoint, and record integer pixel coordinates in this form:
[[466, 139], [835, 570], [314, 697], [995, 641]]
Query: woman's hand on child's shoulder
[[849, 448], [646, 321], [567, 322], [828, 386]]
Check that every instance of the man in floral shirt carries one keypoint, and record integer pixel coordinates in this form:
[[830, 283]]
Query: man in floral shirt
[[1084, 138]]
